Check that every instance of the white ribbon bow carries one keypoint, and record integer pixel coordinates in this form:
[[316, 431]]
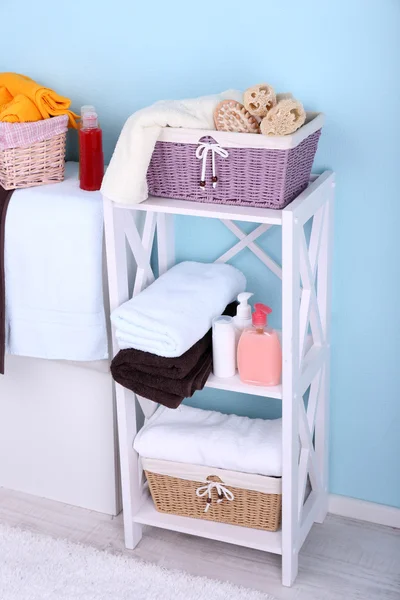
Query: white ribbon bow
[[206, 490], [202, 151]]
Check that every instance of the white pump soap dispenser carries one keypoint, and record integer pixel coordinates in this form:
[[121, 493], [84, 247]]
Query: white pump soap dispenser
[[243, 319]]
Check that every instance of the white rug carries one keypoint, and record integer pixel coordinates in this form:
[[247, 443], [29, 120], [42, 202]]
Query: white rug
[[35, 567]]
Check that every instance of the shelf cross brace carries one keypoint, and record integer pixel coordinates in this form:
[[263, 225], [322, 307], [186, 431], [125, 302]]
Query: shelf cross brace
[[141, 247], [248, 241], [308, 464]]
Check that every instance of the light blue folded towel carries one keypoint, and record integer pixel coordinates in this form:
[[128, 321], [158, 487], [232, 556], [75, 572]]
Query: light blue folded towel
[[175, 311]]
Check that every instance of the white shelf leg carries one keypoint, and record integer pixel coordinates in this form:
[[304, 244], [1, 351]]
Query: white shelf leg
[[130, 472], [165, 242], [290, 382], [324, 304], [125, 400]]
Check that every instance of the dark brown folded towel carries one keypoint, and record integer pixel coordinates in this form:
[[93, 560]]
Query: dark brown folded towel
[[5, 196], [177, 367], [166, 380], [166, 391]]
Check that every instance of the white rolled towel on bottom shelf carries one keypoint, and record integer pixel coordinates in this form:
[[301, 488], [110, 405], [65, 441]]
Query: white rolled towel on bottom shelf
[[175, 311], [204, 437]]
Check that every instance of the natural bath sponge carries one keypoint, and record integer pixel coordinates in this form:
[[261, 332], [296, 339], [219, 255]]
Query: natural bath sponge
[[284, 118], [259, 99], [230, 115], [283, 96]]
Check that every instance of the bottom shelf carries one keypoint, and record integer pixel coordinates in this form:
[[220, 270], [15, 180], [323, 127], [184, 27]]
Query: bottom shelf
[[232, 534]]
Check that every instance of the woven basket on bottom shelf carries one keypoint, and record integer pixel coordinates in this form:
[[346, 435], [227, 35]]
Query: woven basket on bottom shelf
[[38, 164], [174, 492]]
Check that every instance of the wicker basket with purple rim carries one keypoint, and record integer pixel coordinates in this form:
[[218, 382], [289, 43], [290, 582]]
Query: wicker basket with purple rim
[[260, 177]]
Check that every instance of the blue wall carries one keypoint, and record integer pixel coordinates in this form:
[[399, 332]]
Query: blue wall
[[342, 58]]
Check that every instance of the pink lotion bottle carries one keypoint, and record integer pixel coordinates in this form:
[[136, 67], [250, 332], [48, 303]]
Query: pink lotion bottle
[[259, 351]]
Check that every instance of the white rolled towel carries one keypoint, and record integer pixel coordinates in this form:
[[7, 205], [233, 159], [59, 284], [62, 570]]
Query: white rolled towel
[[209, 438], [175, 311]]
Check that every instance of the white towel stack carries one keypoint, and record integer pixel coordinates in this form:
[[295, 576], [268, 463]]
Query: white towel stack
[[208, 438], [175, 311]]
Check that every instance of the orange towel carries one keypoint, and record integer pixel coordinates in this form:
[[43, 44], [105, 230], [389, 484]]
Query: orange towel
[[5, 97], [39, 101], [20, 110]]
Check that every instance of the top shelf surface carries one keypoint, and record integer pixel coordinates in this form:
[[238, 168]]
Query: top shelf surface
[[223, 211], [213, 211]]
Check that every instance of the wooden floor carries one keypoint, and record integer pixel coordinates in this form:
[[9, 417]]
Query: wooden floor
[[341, 560]]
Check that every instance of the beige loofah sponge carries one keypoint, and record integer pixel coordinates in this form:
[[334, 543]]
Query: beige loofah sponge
[[284, 118], [259, 99], [230, 115], [284, 96]]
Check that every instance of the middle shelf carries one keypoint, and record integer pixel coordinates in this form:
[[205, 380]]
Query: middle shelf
[[234, 384]]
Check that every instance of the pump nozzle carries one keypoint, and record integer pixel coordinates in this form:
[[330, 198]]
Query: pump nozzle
[[260, 315], [244, 309]]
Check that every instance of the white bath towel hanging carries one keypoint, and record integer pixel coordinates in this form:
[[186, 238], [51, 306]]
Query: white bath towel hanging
[[209, 438], [175, 311], [125, 179], [53, 272]]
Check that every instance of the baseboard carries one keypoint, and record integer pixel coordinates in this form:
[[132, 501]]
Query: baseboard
[[364, 511]]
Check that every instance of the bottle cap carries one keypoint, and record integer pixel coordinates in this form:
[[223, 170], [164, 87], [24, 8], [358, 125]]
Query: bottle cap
[[222, 321], [89, 120], [244, 309], [260, 315], [87, 108]]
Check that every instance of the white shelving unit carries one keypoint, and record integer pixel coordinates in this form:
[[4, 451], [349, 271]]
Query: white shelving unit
[[306, 293]]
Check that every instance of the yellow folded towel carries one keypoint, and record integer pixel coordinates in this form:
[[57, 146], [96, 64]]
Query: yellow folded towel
[[5, 97], [44, 101], [20, 110], [284, 118]]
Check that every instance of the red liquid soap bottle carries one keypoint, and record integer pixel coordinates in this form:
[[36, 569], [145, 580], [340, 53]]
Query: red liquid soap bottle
[[91, 160]]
